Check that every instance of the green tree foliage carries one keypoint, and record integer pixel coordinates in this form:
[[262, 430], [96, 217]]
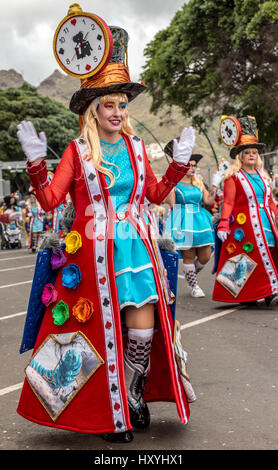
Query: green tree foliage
[[218, 57], [25, 103]]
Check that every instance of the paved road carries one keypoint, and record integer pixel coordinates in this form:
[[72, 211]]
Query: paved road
[[233, 365]]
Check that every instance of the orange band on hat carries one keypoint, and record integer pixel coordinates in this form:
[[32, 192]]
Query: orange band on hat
[[248, 139], [112, 74]]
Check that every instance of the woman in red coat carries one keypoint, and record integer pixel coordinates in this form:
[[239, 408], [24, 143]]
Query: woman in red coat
[[247, 267], [107, 326]]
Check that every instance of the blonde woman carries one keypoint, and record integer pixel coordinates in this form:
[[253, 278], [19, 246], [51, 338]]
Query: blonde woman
[[247, 267], [190, 224], [35, 214], [107, 174]]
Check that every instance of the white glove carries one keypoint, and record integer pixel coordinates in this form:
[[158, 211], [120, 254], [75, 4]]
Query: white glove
[[222, 235], [217, 178], [182, 150], [33, 146]]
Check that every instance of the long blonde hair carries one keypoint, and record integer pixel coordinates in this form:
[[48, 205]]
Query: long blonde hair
[[238, 165], [196, 181], [89, 132]]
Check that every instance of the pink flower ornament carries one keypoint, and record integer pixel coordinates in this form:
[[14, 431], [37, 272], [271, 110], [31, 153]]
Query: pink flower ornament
[[49, 295]]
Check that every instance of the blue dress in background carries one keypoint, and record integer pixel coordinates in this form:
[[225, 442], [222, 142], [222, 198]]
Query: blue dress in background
[[37, 223], [133, 268], [189, 224]]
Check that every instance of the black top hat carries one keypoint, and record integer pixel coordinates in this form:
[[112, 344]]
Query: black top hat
[[114, 78], [168, 149], [249, 136]]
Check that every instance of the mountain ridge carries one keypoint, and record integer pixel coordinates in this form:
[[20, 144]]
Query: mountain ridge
[[151, 127]]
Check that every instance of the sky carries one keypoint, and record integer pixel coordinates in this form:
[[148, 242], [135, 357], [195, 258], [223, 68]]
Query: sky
[[27, 28]]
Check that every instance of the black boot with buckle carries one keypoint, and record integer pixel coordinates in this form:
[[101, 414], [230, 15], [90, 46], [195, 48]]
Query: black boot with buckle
[[135, 376]]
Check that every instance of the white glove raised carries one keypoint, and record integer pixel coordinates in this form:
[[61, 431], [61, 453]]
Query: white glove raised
[[217, 178], [222, 235], [33, 146], [183, 148]]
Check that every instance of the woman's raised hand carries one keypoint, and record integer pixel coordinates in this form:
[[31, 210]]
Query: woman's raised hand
[[217, 178], [33, 145], [183, 148]]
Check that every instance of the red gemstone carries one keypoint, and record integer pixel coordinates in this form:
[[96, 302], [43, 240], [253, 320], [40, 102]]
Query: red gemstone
[[73, 22], [88, 67]]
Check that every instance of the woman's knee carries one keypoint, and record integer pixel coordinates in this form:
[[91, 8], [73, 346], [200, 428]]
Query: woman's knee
[[140, 318], [204, 254]]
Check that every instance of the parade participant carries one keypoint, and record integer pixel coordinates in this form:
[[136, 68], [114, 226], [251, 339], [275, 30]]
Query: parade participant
[[247, 227], [190, 224], [110, 283], [57, 216], [11, 210], [35, 214], [275, 195]]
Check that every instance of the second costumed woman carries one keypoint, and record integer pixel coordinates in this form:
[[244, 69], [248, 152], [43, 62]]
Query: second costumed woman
[[248, 261], [85, 375], [189, 223]]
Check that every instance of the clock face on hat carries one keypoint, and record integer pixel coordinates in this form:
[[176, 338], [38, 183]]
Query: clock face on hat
[[230, 130], [82, 44]]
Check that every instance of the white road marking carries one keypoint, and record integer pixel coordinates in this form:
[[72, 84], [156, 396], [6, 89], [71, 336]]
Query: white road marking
[[210, 317], [17, 284], [12, 388], [6, 390], [19, 267], [16, 257], [7, 317]]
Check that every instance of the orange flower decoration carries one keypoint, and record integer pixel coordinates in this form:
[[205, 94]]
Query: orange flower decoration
[[83, 310], [231, 248]]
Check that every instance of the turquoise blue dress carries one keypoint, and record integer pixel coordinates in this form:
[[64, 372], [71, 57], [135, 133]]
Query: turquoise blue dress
[[133, 267], [259, 189], [189, 224], [37, 224]]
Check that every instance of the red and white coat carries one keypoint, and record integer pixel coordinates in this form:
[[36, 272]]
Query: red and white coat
[[101, 405], [240, 198]]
